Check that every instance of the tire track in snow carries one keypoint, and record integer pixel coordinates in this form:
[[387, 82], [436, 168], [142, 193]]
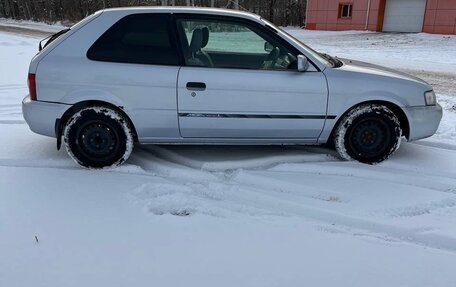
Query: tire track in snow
[[39, 163], [316, 163], [192, 190], [264, 200], [376, 174], [247, 200], [274, 205], [12, 122], [11, 113], [12, 87], [260, 179], [10, 107], [420, 209]]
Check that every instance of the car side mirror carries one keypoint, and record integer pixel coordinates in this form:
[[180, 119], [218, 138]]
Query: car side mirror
[[268, 47], [303, 63]]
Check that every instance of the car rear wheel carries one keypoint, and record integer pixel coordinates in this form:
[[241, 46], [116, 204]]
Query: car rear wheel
[[98, 137], [369, 133]]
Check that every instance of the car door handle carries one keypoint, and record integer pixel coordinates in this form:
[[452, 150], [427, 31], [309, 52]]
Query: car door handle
[[196, 86]]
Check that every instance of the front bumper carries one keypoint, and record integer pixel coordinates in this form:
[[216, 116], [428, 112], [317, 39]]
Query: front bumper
[[41, 116], [423, 121]]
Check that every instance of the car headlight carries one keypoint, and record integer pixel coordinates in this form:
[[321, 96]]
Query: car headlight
[[430, 99]]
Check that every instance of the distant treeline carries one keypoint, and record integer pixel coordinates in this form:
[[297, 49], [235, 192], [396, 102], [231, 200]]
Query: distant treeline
[[281, 12]]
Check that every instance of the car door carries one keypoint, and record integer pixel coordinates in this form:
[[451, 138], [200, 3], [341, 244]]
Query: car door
[[241, 81]]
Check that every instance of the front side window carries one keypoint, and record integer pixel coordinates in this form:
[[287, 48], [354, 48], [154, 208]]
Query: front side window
[[137, 39], [225, 44]]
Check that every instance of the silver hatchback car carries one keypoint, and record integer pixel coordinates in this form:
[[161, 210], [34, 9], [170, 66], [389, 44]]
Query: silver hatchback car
[[212, 76]]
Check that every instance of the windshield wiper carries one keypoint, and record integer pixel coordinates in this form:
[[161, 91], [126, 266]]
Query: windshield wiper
[[329, 58], [336, 63], [52, 38]]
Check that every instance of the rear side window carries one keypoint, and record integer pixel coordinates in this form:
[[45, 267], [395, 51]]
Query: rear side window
[[137, 39]]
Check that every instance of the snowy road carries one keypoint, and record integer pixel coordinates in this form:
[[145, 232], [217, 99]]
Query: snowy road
[[231, 216]]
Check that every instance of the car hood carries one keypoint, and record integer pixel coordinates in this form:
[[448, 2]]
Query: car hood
[[367, 68]]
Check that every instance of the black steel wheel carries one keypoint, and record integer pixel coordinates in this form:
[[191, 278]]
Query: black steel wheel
[[369, 134], [98, 137]]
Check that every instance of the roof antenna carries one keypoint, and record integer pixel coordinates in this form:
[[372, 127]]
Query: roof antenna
[[239, 5]]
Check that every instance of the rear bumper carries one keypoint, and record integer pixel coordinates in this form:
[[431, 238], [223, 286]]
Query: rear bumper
[[41, 116], [423, 121]]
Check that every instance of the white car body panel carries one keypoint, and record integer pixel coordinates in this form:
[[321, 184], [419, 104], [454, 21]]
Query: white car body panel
[[153, 96], [293, 102]]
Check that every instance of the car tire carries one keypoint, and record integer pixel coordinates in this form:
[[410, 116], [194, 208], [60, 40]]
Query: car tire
[[369, 133], [98, 137]]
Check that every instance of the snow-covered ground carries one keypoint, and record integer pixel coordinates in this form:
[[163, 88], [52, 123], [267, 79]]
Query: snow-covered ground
[[233, 216], [419, 51], [31, 25]]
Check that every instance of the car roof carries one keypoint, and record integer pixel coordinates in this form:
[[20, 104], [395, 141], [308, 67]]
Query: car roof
[[187, 10]]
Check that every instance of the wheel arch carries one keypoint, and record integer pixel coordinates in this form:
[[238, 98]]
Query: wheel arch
[[397, 110], [60, 123]]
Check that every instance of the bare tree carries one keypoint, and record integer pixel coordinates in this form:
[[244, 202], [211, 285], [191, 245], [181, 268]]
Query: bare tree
[[281, 12]]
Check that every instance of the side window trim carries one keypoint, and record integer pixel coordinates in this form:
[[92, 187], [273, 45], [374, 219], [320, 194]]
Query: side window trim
[[176, 34], [175, 39]]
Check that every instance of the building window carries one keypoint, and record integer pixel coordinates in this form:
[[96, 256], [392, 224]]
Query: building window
[[345, 10]]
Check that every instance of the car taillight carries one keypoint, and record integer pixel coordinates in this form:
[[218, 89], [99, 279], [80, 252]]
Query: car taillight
[[32, 86]]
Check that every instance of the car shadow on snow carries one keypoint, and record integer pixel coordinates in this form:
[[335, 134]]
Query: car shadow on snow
[[222, 158]]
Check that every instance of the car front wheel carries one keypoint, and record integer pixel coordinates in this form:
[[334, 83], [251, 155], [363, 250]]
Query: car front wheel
[[98, 137], [369, 134]]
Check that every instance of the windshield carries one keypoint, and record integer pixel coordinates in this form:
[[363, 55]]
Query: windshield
[[309, 50]]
